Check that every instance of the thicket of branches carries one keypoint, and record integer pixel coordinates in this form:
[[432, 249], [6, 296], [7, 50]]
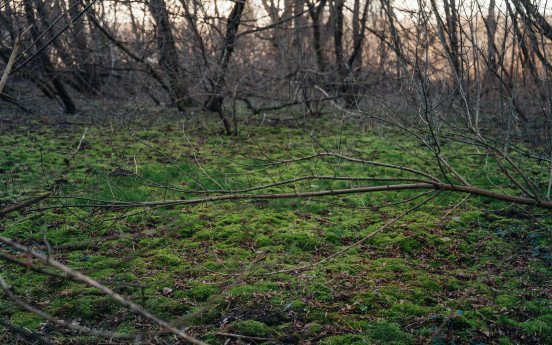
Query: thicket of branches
[[470, 72], [481, 60]]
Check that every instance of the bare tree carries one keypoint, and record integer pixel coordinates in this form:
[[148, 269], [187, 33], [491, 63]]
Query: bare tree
[[215, 100], [44, 60], [168, 54]]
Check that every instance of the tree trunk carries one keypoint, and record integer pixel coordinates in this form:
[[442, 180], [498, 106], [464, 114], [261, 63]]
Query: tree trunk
[[337, 20], [87, 76], [491, 32], [214, 102], [44, 60], [168, 54], [355, 60], [451, 15], [314, 12]]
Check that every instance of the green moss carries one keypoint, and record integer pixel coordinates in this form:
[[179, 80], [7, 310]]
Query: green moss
[[250, 328], [541, 325], [263, 241], [469, 320], [126, 328], [302, 240], [167, 308], [297, 306], [319, 292], [538, 306], [317, 315], [468, 218], [94, 307], [347, 339], [212, 339], [409, 245], [167, 257], [409, 309], [371, 301], [187, 226], [26, 320], [505, 341], [405, 275], [248, 292], [428, 283], [202, 292], [351, 264], [391, 264], [389, 333], [314, 328], [153, 242], [506, 301]]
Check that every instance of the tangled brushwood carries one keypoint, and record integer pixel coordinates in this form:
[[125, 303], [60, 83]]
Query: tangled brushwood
[[266, 171]]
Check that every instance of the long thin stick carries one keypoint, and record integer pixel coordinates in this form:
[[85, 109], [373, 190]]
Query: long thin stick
[[107, 291], [7, 210], [358, 190], [59, 322]]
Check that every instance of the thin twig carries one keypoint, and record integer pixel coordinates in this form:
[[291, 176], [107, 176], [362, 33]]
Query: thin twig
[[357, 190], [59, 322], [25, 204], [105, 290]]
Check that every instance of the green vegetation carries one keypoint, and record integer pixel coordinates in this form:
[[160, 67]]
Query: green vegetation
[[484, 265]]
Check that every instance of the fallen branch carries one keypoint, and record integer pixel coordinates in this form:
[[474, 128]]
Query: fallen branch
[[59, 322], [105, 290], [358, 190], [32, 337], [25, 204]]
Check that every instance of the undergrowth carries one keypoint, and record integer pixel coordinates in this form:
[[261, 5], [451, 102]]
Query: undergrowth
[[482, 266]]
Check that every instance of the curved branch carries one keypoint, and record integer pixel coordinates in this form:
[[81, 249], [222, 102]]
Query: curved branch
[[359, 190]]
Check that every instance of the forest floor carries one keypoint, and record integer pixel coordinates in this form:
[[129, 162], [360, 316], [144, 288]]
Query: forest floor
[[454, 271]]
